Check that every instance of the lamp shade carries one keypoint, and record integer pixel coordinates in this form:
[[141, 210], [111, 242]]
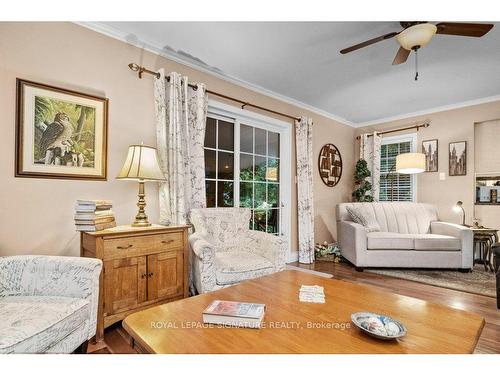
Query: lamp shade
[[416, 35], [141, 164], [410, 163]]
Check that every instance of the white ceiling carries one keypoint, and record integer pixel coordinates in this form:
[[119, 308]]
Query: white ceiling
[[301, 61]]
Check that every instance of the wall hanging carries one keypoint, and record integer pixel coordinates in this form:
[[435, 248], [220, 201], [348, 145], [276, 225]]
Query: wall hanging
[[60, 133], [330, 165]]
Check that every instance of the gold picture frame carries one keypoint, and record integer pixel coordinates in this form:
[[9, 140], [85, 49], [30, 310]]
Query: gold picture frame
[[60, 133]]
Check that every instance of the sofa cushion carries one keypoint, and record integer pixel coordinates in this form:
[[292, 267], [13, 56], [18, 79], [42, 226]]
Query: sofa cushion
[[32, 324], [236, 266], [396, 217], [390, 241], [365, 217], [436, 242]]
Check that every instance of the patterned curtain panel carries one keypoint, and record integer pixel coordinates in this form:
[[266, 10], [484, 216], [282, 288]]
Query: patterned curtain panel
[[303, 135], [181, 114], [369, 150]]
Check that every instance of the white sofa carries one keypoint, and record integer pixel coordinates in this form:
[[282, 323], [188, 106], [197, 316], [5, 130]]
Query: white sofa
[[226, 251], [48, 304], [410, 236]]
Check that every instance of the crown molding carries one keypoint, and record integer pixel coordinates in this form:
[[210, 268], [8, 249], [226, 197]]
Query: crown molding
[[428, 111], [192, 63]]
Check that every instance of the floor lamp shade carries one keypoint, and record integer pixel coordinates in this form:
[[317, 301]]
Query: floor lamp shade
[[410, 163], [141, 164]]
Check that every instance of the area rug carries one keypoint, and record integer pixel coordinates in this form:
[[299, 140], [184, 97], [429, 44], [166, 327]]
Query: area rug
[[478, 281], [317, 273]]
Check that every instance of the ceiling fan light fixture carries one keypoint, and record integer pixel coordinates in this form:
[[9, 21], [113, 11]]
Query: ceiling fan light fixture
[[416, 36]]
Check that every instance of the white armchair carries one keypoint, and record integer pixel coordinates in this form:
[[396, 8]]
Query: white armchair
[[48, 304], [226, 251]]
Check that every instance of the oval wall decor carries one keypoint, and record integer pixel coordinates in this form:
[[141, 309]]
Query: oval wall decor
[[330, 165]]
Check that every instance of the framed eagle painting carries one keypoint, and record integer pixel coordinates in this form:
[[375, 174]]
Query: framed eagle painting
[[60, 133]]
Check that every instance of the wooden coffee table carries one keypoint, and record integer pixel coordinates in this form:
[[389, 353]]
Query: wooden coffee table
[[295, 327]]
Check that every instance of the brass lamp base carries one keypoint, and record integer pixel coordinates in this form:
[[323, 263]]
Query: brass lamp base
[[141, 219]]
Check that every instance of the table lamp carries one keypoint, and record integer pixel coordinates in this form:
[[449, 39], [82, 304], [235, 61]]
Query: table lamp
[[141, 165], [459, 207], [408, 163]]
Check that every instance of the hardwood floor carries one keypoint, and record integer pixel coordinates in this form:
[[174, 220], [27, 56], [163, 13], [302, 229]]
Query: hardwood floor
[[116, 340]]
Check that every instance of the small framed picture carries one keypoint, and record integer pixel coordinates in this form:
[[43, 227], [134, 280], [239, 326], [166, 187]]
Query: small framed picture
[[458, 158], [60, 133], [431, 152]]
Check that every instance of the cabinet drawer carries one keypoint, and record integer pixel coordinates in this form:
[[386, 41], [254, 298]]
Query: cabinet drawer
[[115, 248]]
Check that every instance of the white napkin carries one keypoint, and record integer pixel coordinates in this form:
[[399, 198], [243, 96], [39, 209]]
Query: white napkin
[[312, 293]]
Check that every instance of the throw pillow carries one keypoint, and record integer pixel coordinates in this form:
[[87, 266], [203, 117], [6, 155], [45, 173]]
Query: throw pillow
[[363, 216]]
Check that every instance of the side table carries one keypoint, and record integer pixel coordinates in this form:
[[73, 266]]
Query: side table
[[496, 263], [484, 238]]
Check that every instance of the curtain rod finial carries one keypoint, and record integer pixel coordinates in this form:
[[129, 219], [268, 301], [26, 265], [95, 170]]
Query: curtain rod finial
[[134, 67]]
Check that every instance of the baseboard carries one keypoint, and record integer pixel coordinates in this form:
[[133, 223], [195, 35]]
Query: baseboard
[[293, 256]]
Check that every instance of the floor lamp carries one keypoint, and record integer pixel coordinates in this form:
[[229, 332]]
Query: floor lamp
[[409, 163]]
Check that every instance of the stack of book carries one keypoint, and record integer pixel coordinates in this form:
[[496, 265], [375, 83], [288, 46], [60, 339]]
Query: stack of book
[[94, 215]]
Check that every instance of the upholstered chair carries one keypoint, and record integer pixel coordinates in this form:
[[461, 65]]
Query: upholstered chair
[[226, 252], [48, 304]]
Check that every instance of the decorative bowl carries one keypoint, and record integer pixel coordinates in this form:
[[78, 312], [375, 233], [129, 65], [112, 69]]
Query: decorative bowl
[[379, 326]]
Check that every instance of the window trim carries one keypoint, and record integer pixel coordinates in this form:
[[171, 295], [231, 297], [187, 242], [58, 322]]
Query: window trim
[[237, 115], [412, 138]]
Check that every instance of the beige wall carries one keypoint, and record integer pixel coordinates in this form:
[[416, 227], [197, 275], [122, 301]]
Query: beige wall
[[36, 214], [448, 126]]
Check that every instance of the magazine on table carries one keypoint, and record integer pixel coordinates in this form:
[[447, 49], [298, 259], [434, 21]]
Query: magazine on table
[[237, 314]]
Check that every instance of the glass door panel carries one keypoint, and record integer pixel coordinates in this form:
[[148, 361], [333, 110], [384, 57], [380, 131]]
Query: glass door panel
[[259, 188]]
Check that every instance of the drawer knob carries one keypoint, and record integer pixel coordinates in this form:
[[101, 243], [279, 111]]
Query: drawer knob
[[167, 242], [150, 274], [143, 276], [124, 247]]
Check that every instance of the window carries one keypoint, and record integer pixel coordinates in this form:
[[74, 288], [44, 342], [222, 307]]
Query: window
[[219, 163], [396, 186], [244, 153]]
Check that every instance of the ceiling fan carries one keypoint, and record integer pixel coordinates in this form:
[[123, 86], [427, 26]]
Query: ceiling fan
[[417, 34]]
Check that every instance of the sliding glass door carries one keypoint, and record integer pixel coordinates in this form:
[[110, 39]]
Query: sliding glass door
[[243, 162]]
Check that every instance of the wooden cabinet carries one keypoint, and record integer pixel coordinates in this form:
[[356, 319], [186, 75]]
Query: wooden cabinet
[[143, 267]]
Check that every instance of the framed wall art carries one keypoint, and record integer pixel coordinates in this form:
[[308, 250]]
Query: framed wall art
[[60, 133], [458, 158], [430, 150], [330, 165]]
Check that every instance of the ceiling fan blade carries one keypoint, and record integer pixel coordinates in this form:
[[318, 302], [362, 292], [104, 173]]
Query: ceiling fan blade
[[368, 42], [401, 56], [463, 29]]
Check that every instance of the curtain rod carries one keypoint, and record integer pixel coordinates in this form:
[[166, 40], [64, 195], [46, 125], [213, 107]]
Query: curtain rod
[[141, 70], [424, 125]]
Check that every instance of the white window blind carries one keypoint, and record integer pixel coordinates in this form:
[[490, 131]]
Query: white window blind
[[395, 186]]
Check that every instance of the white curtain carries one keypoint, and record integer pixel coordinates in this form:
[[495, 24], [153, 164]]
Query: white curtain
[[369, 150], [305, 211], [180, 131]]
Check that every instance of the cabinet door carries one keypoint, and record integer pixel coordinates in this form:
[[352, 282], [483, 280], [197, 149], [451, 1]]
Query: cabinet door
[[124, 284], [165, 271]]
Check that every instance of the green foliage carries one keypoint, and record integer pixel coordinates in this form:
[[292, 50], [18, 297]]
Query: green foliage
[[363, 186]]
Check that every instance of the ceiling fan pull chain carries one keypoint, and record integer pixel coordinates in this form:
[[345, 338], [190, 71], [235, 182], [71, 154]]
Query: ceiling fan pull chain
[[416, 65]]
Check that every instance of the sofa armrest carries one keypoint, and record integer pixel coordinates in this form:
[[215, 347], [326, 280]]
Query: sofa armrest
[[269, 246], [74, 277], [203, 263], [201, 246], [466, 236], [352, 240], [49, 276]]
